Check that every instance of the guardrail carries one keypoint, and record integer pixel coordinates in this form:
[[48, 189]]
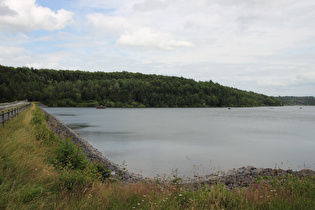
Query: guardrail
[[6, 115], [9, 105]]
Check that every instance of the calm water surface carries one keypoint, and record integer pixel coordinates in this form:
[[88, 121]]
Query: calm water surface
[[197, 141]]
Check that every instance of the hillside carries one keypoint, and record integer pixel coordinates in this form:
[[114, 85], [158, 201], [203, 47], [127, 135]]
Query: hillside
[[294, 100], [120, 89]]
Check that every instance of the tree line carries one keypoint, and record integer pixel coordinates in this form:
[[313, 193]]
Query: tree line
[[297, 100], [67, 88]]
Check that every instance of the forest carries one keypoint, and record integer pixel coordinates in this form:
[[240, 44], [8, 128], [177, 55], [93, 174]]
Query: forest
[[297, 100], [67, 88]]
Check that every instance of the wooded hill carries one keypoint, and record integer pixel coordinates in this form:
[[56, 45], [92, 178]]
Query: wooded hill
[[120, 89], [297, 100]]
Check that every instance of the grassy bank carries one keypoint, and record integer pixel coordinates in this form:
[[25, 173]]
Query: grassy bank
[[38, 171]]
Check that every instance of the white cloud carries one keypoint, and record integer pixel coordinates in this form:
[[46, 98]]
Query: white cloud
[[12, 53], [109, 24], [129, 31], [26, 15], [220, 31], [146, 37]]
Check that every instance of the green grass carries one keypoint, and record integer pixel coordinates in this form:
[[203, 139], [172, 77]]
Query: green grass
[[38, 171]]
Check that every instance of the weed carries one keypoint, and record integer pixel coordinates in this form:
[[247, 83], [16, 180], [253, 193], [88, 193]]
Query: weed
[[175, 176], [124, 165], [74, 179]]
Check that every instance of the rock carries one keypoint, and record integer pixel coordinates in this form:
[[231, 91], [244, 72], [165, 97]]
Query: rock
[[245, 176]]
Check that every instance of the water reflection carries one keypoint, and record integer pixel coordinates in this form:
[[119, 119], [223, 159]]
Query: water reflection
[[77, 126], [65, 115]]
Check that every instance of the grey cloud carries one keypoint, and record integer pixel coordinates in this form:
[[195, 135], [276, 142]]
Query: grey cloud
[[245, 21], [6, 11], [150, 5]]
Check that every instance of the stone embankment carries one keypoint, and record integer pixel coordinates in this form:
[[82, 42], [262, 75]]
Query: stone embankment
[[241, 177], [245, 176], [62, 131]]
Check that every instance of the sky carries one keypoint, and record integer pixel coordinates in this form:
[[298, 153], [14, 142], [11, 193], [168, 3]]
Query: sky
[[264, 46]]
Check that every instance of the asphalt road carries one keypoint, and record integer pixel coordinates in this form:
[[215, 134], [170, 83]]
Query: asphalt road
[[10, 105], [3, 106]]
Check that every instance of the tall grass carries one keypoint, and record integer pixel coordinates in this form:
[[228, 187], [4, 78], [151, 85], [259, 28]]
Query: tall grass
[[37, 171]]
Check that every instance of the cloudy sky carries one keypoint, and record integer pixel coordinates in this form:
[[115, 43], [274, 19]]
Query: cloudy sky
[[265, 46]]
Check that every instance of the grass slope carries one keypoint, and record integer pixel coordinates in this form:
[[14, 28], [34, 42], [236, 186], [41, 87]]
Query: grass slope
[[33, 175]]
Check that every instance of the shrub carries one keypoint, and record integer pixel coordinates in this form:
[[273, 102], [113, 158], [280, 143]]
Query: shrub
[[70, 156], [100, 171]]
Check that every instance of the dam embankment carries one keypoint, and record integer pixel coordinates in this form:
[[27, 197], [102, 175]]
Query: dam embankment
[[62, 131]]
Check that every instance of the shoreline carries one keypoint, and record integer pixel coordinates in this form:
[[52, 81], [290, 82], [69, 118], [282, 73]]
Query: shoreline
[[62, 131], [245, 176], [241, 177]]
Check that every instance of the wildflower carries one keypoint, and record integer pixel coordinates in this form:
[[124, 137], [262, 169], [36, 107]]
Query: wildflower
[[144, 195], [138, 204], [180, 195]]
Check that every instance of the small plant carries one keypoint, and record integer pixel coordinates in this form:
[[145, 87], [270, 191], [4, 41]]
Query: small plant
[[175, 176], [100, 171], [124, 165], [124, 169], [69, 155]]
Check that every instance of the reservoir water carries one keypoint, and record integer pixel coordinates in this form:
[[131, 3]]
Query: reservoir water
[[197, 141]]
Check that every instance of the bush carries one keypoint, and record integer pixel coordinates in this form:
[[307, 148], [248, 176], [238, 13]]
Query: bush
[[70, 156], [100, 171]]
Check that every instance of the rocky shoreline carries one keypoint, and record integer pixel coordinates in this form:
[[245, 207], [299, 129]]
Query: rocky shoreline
[[245, 176], [62, 131], [241, 177]]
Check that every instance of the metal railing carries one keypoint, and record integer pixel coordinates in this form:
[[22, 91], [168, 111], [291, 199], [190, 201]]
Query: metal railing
[[9, 113], [9, 105]]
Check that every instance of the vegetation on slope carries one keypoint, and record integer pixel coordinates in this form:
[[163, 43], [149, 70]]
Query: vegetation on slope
[[120, 89], [295, 100], [38, 171]]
